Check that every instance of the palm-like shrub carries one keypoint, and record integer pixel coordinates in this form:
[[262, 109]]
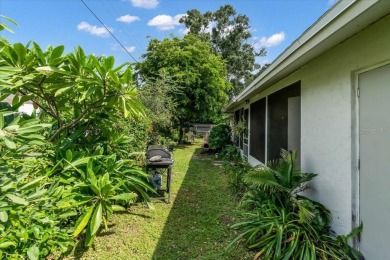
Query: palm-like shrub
[[282, 223], [284, 182]]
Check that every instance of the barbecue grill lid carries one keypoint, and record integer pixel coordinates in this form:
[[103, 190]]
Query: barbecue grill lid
[[155, 158], [158, 150]]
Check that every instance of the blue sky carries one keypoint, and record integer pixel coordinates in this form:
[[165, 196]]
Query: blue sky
[[275, 23]]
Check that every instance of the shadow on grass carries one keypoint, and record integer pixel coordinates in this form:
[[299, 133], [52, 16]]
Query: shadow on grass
[[198, 226]]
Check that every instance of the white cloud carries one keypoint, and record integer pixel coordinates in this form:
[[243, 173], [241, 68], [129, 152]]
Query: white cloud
[[93, 29], [165, 22], [127, 18], [226, 30], [117, 47], [212, 25], [130, 48], [273, 40], [184, 31], [147, 4], [114, 47]]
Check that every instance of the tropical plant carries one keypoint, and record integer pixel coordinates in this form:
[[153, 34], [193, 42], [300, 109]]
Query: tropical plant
[[220, 137], [277, 233], [284, 181], [5, 26], [30, 223], [67, 171], [239, 128], [70, 89], [97, 193], [282, 223]]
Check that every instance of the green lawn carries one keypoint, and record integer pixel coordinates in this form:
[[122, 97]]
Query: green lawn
[[194, 226]]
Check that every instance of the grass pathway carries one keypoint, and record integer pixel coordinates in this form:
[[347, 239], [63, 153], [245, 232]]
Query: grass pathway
[[194, 226]]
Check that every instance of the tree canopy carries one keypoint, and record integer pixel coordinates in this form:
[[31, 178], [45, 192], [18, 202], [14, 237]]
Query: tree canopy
[[199, 73], [228, 34]]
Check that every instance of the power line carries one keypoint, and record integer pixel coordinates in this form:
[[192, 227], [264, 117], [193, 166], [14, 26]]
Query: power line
[[124, 30], [108, 30]]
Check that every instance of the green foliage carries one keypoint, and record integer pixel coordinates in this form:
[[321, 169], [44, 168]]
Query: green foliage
[[277, 233], [41, 196], [4, 26], [169, 143], [239, 128], [157, 96], [196, 227], [236, 170], [29, 221], [63, 174], [230, 153], [220, 137], [199, 74], [70, 89], [228, 34], [281, 223], [98, 194]]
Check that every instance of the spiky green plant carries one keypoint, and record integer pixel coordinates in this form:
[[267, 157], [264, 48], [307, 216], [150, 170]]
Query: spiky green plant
[[284, 182], [282, 223]]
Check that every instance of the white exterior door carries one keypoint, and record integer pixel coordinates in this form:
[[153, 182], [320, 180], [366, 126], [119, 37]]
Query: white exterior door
[[374, 193]]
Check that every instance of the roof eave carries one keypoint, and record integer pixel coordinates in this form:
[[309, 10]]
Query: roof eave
[[318, 38]]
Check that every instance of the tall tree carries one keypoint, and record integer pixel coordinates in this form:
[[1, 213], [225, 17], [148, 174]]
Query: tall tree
[[156, 95], [228, 34], [200, 76]]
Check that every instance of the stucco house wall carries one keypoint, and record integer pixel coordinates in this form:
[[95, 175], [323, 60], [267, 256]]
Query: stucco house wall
[[329, 114]]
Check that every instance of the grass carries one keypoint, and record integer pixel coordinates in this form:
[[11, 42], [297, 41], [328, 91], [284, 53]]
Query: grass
[[196, 225]]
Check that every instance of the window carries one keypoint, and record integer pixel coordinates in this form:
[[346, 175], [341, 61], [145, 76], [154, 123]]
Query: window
[[257, 130], [236, 120], [283, 130]]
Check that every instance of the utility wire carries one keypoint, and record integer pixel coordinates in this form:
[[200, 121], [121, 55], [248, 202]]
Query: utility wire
[[134, 40], [108, 30]]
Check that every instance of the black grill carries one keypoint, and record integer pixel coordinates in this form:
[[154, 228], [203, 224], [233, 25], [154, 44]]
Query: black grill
[[166, 161], [159, 150]]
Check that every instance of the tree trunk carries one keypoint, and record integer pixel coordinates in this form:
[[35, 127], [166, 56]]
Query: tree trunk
[[181, 135]]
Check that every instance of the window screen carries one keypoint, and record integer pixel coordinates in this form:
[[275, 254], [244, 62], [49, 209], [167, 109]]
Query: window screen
[[257, 130], [278, 119], [242, 134], [236, 120]]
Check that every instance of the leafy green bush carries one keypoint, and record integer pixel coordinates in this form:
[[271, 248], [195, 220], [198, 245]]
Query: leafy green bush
[[220, 136], [167, 142], [63, 174], [230, 153], [236, 172], [281, 223], [47, 195], [30, 222]]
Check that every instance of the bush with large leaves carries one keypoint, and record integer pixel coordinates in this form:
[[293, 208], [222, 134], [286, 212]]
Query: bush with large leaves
[[62, 174], [30, 223]]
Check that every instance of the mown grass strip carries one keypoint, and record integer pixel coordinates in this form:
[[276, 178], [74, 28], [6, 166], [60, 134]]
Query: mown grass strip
[[196, 225]]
